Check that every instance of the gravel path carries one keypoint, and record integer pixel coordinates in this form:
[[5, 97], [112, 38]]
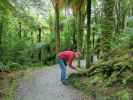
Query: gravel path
[[44, 84]]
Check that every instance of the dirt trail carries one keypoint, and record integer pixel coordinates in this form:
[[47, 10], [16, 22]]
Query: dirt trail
[[44, 84]]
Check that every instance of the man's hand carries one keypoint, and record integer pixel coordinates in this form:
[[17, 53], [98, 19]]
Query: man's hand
[[73, 67]]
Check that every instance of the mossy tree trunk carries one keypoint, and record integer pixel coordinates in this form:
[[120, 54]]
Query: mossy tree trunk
[[80, 33], [107, 25], [88, 41], [121, 13], [74, 40], [131, 7], [57, 26]]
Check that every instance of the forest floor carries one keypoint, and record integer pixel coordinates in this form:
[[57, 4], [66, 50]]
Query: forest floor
[[44, 84]]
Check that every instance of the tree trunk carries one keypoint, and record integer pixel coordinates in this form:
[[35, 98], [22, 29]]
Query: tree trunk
[[25, 35], [32, 41], [120, 17], [107, 25], [93, 38], [1, 28], [20, 30], [1, 49], [39, 35], [74, 35], [57, 26], [32, 38], [131, 7], [88, 41], [79, 36], [39, 40]]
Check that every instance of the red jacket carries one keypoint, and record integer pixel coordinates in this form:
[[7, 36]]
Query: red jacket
[[68, 56]]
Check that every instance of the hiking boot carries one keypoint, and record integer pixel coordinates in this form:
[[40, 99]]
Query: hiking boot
[[65, 82]]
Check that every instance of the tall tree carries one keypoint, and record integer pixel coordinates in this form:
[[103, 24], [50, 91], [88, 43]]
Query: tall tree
[[1, 28], [56, 4], [80, 31], [107, 25], [39, 35], [32, 37], [74, 40], [131, 7], [39, 41], [88, 41], [1, 31], [20, 30], [78, 13], [121, 7]]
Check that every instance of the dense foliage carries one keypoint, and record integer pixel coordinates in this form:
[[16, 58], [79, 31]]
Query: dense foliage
[[22, 37]]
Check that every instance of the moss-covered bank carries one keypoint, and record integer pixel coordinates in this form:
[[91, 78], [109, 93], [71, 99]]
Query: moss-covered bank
[[111, 78]]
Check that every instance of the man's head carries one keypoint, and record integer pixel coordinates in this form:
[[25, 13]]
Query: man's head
[[77, 54]]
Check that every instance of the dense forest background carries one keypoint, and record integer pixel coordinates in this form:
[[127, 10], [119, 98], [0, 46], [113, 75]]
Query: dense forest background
[[29, 33]]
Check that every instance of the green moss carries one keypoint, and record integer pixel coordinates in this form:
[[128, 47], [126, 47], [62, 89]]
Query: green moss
[[122, 95]]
